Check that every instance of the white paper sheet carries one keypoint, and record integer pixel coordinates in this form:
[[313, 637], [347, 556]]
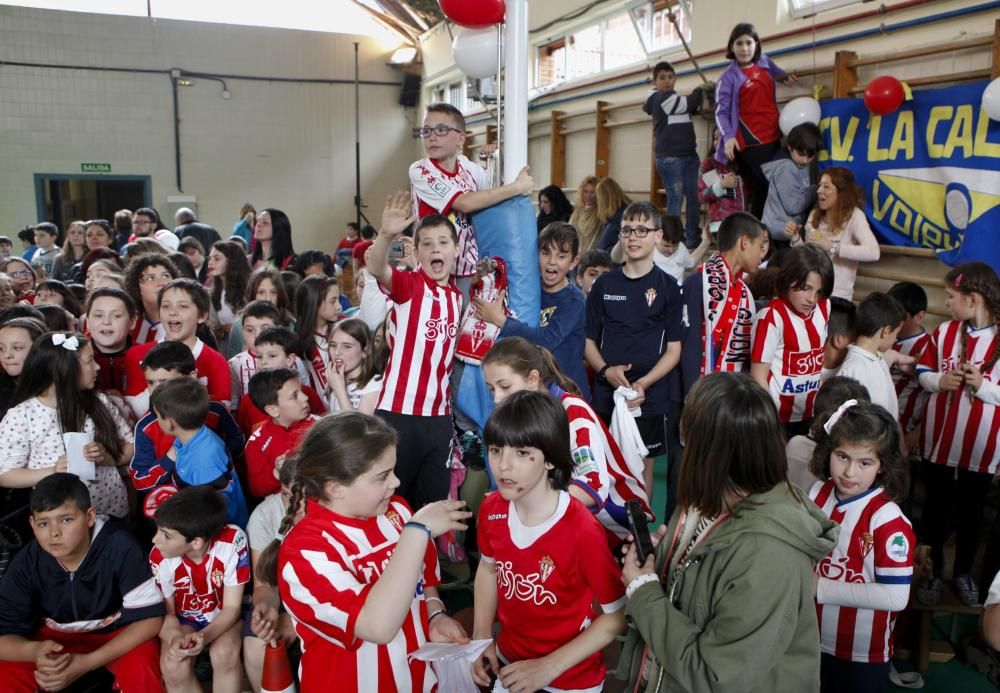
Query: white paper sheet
[[452, 663], [77, 463]]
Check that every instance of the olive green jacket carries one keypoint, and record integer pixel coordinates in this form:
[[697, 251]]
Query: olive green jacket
[[743, 617]]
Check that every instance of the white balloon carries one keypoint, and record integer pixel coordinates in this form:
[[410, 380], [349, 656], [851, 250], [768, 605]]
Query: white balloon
[[991, 99], [804, 109], [475, 51]]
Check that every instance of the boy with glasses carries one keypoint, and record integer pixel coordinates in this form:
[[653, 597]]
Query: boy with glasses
[[634, 330], [446, 182]]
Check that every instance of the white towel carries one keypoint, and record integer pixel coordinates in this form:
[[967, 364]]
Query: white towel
[[626, 433]]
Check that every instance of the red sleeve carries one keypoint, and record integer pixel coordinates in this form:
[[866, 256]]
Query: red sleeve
[[135, 379], [894, 546], [765, 337], [261, 481], [213, 366], [248, 417], [596, 562], [929, 360], [405, 285], [489, 506]]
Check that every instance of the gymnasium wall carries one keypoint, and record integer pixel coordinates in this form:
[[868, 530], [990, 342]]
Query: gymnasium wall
[[288, 145]]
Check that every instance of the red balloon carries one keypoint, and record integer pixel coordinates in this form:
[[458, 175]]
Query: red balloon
[[474, 13], [884, 95]]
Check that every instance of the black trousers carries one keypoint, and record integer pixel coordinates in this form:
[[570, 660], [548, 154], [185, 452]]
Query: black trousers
[[422, 451], [841, 676], [954, 501], [750, 161]]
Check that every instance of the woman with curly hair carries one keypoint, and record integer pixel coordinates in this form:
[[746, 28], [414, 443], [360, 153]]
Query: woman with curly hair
[[230, 272], [839, 226], [584, 217]]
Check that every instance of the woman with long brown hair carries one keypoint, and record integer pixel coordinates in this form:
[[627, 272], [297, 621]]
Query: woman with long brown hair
[[611, 204], [584, 217], [838, 225]]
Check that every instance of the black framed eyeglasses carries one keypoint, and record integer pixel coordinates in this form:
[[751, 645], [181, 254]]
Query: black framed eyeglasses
[[637, 231], [440, 130]]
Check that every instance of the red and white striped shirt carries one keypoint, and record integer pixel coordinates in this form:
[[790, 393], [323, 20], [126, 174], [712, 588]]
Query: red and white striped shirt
[[599, 467], [197, 588], [793, 346], [875, 545], [327, 566], [548, 578], [423, 324], [146, 331], [434, 191], [911, 396], [961, 430]]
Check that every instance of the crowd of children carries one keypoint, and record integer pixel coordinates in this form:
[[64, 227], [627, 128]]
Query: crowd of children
[[287, 459]]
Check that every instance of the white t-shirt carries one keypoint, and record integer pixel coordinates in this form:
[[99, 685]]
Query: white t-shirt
[[355, 393], [675, 264], [872, 371], [799, 452], [31, 438], [264, 522]]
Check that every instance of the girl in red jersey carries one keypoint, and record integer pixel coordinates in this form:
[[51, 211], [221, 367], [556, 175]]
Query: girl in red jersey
[[602, 479], [358, 572], [866, 578], [790, 334], [544, 560], [961, 426], [317, 306]]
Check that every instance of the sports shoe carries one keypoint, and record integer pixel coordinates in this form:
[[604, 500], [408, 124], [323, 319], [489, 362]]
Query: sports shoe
[[929, 591], [966, 590]]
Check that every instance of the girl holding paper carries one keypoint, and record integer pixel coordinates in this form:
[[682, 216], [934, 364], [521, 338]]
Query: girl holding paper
[[55, 395]]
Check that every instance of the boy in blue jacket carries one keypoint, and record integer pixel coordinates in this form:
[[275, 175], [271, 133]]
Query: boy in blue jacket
[[563, 317], [79, 597]]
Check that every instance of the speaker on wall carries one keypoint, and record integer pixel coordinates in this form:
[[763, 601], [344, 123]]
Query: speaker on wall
[[409, 93]]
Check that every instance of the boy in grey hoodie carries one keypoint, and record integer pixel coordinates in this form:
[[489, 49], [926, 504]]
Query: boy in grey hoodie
[[791, 193]]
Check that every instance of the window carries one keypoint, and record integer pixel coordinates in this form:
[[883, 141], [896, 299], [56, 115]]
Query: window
[[657, 32], [605, 45], [807, 8]]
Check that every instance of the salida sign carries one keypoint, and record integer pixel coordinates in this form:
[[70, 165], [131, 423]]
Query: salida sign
[[930, 171]]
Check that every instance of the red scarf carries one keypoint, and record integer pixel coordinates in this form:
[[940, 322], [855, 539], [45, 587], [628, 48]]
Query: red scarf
[[727, 327]]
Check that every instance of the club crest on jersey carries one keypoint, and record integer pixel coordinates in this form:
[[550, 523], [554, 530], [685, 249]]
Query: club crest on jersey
[[867, 541], [217, 577], [394, 519], [897, 547], [650, 296], [545, 567]]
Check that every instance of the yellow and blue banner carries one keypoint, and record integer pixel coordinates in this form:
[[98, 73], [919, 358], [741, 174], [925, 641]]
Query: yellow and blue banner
[[930, 171]]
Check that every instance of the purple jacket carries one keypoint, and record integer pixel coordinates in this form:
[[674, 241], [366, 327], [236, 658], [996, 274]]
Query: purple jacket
[[727, 100]]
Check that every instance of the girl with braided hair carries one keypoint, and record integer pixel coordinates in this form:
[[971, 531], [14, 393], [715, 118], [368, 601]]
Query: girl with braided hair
[[961, 430], [358, 573]]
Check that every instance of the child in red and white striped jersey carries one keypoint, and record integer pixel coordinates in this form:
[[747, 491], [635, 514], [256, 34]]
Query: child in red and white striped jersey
[[358, 573], [866, 578], [602, 479], [961, 427], [790, 334]]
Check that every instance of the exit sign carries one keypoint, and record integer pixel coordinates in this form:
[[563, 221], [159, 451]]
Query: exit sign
[[95, 168]]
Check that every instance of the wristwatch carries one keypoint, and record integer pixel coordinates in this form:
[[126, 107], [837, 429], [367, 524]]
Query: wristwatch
[[600, 373]]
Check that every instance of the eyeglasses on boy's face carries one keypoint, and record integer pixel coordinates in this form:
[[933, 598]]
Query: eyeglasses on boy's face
[[637, 231], [440, 130]]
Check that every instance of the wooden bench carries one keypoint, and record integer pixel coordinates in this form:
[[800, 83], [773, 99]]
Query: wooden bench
[[936, 650]]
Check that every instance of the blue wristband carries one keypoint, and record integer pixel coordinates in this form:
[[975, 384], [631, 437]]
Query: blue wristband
[[421, 526]]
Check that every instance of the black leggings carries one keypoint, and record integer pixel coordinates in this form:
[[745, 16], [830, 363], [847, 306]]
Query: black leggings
[[750, 160], [423, 448], [960, 498]]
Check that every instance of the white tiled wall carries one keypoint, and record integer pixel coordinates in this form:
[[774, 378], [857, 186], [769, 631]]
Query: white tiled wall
[[275, 144]]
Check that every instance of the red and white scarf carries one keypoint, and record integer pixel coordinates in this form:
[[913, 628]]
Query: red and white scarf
[[729, 312]]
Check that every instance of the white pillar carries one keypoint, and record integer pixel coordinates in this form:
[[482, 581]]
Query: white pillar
[[515, 96]]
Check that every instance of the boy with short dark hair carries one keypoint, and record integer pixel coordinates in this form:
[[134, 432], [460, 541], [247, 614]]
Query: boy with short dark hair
[[278, 393], [201, 565], [633, 330], [563, 317], [200, 457], [46, 237], [446, 182], [791, 193], [878, 321], [78, 598], [593, 264], [675, 146], [911, 341], [152, 465], [255, 317], [840, 335], [275, 348]]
